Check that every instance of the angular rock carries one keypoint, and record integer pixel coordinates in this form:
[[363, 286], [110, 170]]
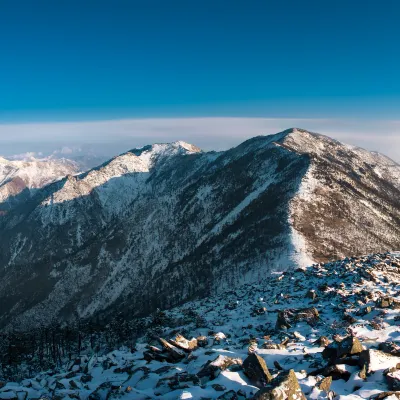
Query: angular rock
[[256, 370], [347, 347], [184, 344], [213, 368], [325, 384], [284, 387], [175, 354]]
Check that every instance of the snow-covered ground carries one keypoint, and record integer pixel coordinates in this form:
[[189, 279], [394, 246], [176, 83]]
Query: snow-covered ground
[[353, 303]]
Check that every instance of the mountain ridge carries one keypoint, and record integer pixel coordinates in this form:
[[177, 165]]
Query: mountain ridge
[[159, 228]]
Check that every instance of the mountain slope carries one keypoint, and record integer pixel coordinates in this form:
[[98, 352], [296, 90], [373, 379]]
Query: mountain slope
[[336, 325], [350, 198], [157, 226], [20, 178]]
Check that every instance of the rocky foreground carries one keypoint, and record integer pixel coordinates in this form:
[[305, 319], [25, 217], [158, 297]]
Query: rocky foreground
[[331, 331]]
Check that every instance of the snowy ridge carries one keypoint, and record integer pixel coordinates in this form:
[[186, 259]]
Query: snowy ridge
[[156, 226]]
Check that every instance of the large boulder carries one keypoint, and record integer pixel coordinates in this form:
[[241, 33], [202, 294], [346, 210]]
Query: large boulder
[[256, 370], [213, 368], [175, 353], [284, 387], [184, 344], [348, 346]]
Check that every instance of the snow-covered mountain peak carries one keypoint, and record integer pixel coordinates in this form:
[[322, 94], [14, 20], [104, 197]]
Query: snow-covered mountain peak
[[150, 152], [141, 159], [305, 142]]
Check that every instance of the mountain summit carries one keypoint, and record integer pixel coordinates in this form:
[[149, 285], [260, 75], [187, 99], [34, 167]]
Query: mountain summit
[[166, 223]]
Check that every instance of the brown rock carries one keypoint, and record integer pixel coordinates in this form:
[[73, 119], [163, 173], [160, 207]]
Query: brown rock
[[284, 387], [184, 344], [256, 370], [325, 384], [213, 368], [322, 341], [175, 354], [346, 347]]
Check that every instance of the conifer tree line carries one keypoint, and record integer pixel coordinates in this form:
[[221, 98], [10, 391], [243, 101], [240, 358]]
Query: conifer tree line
[[51, 346]]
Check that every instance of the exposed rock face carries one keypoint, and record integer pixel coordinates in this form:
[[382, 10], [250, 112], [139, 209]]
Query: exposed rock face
[[160, 225]]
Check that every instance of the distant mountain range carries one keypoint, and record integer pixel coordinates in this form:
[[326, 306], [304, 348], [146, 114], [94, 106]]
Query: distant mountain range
[[157, 226]]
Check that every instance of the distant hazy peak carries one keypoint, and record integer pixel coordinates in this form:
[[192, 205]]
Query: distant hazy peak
[[167, 148]]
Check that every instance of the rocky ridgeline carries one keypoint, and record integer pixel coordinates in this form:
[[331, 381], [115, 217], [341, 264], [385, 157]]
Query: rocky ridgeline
[[165, 224], [330, 331]]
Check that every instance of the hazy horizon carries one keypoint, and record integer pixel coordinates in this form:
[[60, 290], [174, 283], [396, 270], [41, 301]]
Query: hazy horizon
[[111, 137]]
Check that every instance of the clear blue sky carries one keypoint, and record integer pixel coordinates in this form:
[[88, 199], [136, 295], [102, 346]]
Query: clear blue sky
[[110, 59]]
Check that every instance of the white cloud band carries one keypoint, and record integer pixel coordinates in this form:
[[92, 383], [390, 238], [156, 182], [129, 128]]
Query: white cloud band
[[208, 133]]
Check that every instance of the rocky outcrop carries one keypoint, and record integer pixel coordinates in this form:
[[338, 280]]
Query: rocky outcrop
[[285, 386]]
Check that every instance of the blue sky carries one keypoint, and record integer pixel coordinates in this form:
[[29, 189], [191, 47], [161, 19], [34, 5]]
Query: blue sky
[[94, 59]]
